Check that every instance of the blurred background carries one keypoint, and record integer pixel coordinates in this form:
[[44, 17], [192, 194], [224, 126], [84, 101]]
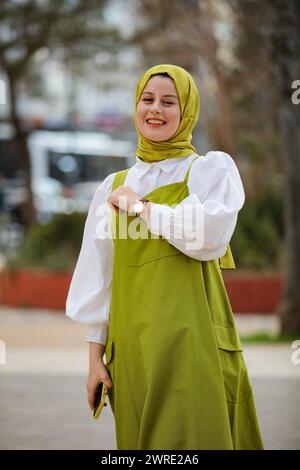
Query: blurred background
[[68, 72]]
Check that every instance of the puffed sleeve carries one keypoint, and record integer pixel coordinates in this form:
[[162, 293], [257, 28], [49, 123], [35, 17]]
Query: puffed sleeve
[[202, 225], [89, 295]]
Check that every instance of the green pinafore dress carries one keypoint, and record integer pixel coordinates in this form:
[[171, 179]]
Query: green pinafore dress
[[173, 352]]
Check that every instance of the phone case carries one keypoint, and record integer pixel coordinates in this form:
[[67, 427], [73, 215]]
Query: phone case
[[100, 395]]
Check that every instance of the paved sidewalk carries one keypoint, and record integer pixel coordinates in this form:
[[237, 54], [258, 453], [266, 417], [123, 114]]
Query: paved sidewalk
[[43, 397], [50, 327]]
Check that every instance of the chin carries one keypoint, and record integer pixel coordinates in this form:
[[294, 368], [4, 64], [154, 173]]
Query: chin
[[155, 137]]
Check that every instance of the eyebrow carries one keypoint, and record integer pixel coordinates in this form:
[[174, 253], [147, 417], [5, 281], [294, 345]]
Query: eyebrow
[[165, 96]]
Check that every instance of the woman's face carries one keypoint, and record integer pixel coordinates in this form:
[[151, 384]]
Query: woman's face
[[158, 110]]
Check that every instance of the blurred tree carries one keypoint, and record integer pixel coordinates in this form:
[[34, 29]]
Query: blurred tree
[[228, 46], [267, 48], [255, 93], [76, 28], [288, 63], [189, 38]]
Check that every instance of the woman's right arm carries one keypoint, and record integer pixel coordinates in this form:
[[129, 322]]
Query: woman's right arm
[[89, 295]]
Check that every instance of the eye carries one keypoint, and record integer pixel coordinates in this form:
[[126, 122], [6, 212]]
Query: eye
[[150, 99]]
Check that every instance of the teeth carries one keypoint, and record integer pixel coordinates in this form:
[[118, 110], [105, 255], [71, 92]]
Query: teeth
[[155, 121]]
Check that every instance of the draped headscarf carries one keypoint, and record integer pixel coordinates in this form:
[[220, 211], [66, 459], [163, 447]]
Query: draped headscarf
[[179, 145]]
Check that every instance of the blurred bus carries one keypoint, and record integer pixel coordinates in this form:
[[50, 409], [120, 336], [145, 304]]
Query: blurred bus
[[68, 166]]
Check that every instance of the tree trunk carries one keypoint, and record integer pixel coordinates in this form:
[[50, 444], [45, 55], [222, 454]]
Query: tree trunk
[[226, 126], [288, 54], [27, 208], [226, 134]]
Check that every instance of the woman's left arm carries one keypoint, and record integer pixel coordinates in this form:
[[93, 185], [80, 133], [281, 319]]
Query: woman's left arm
[[202, 225]]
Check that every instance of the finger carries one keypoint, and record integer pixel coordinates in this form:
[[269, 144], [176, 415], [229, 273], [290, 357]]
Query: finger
[[111, 206], [91, 399], [107, 381]]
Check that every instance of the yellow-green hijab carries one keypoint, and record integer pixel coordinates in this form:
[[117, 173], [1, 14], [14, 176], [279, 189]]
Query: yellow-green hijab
[[180, 144]]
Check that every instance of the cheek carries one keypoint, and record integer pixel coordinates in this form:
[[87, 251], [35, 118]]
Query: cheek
[[140, 113], [175, 119], [139, 118]]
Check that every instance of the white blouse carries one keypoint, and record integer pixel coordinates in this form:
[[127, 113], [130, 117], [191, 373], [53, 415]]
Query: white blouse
[[215, 187]]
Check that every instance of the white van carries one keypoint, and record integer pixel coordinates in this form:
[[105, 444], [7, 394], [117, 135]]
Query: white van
[[67, 167]]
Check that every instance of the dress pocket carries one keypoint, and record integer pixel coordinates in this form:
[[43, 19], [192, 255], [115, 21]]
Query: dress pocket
[[228, 338], [141, 251], [235, 375]]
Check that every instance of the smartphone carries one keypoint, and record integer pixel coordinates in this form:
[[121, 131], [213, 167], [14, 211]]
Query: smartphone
[[99, 400]]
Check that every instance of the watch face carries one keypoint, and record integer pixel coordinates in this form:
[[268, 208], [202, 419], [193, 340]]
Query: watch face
[[138, 207]]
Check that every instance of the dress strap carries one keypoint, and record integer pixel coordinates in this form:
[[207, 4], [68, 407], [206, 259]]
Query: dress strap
[[119, 179], [188, 172]]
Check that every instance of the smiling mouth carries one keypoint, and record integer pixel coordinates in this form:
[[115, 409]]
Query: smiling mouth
[[155, 122]]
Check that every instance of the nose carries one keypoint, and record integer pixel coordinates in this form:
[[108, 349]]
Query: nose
[[155, 108]]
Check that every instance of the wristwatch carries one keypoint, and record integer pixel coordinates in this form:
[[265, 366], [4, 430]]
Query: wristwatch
[[138, 207]]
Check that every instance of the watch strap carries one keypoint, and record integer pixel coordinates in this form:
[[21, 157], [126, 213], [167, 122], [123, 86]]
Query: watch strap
[[143, 199]]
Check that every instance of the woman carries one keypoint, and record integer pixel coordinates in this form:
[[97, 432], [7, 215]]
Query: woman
[[156, 304]]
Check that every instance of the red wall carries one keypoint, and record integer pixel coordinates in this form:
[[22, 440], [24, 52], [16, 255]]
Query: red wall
[[253, 293], [35, 289]]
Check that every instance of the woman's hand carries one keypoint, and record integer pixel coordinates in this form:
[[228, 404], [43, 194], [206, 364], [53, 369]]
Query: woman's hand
[[128, 197], [97, 372]]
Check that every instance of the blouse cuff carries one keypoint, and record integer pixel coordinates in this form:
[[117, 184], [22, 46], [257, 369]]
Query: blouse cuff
[[167, 221], [97, 334], [159, 218]]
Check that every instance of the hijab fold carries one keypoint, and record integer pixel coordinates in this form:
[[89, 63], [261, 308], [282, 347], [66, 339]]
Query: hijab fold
[[179, 145]]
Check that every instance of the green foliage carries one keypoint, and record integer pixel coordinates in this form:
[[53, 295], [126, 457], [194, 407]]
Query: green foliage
[[268, 338], [54, 246], [258, 239]]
